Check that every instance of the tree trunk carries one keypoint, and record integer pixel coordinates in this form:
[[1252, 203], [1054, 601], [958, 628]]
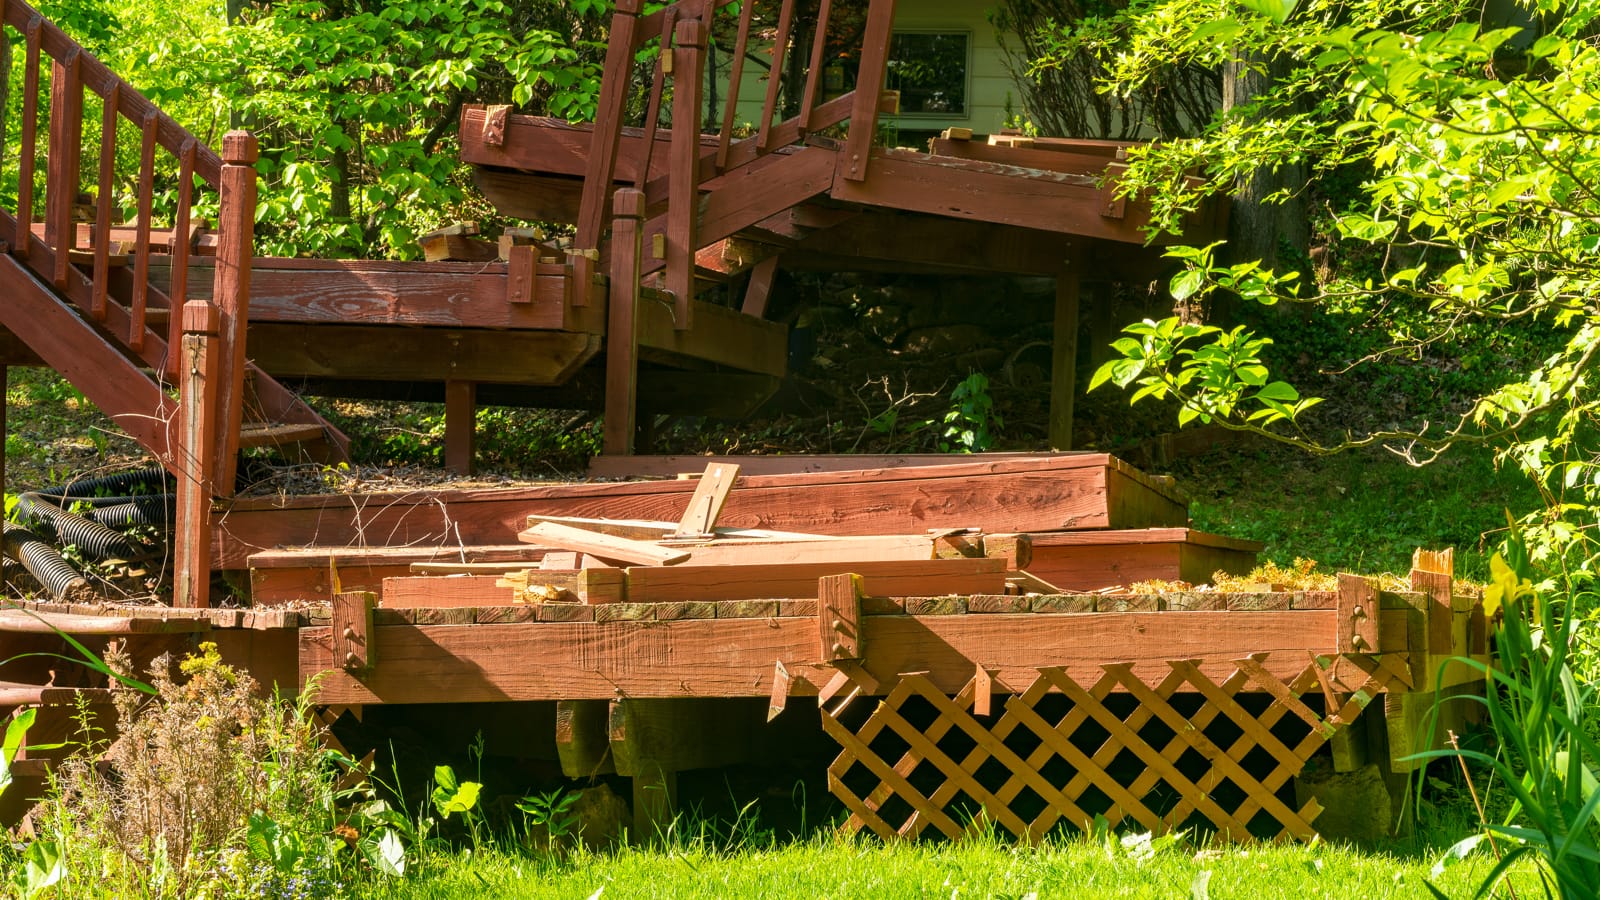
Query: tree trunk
[[1258, 229]]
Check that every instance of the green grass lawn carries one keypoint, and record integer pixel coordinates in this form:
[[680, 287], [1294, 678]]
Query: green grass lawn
[[837, 867]]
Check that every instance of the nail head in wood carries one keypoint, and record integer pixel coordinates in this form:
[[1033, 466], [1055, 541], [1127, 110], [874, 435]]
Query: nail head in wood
[[839, 617]]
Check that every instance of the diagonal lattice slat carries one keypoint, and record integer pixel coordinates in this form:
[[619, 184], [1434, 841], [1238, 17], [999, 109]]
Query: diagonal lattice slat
[[1195, 744]]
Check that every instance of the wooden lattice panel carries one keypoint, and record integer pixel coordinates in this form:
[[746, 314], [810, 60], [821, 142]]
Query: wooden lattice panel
[[1185, 751]]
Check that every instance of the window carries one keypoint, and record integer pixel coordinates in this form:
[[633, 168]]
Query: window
[[929, 69]]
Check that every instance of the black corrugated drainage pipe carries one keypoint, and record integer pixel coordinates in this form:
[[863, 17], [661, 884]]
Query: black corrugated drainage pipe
[[45, 564]]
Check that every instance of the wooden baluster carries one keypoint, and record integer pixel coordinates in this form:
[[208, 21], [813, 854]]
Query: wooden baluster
[[683, 172], [178, 289], [730, 108], [869, 89], [819, 40], [105, 187], [235, 245], [66, 149], [622, 331], [652, 115], [607, 135], [197, 420], [141, 240], [30, 138], [780, 45]]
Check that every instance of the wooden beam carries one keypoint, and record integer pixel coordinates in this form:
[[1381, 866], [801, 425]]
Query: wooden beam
[[198, 371], [879, 578], [605, 546], [1006, 195], [869, 85], [734, 657], [795, 463], [762, 277], [710, 495], [683, 188], [436, 354]]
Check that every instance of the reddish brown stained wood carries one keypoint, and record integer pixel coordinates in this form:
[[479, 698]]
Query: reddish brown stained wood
[[236, 224], [730, 109], [799, 580], [521, 274], [141, 264], [460, 426], [604, 546], [66, 146], [195, 478], [1016, 495], [105, 188], [762, 277], [839, 618], [1357, 616], [792, 464], [602, 155], [622, 331], [819, 43], [652, 113], [683, 181], [99, 369], [445, 591], [734, 657], [869, 85], [30, 136], [494, 124], [780, 46]]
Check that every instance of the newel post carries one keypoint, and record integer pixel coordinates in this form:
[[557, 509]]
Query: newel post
[[235, 249], [197, 374]]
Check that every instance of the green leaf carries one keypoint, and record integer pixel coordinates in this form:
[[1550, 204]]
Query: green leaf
[[1276, 10], [1278, 390], [1186, 283]]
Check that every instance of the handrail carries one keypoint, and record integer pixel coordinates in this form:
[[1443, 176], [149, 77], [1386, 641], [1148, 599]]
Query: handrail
[[90, 276]]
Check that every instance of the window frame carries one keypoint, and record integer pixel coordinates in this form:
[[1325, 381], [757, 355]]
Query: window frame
[[966, 34]]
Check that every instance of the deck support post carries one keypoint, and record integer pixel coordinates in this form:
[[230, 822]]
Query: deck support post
[[198, 375], [1064, 359], [622, 328], [231, 293], [460, 426]]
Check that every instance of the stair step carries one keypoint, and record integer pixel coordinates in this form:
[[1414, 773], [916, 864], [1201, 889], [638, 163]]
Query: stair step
[[16, 693], [86, 258], [266, 434]]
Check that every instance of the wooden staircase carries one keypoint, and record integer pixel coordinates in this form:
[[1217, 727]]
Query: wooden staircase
[[171, 370]]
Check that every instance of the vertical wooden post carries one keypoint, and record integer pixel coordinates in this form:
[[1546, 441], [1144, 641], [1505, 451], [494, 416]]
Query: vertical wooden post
[[235, 249], [197, 377], [460, 426], [683, 175], [607, 137], [28, 154], [622, 332], [869, 87], [66, 148], [1064, 357]]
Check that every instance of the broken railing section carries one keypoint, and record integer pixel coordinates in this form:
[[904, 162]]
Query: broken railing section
[[669, 239]]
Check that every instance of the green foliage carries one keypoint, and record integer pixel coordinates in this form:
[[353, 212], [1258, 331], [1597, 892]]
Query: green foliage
[[16, 730], [970, 421], [554, 811], [451, 795], [355, 104], [1538, 710]]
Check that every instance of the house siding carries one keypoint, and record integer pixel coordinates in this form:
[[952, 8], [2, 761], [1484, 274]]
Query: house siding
[[988, 82]]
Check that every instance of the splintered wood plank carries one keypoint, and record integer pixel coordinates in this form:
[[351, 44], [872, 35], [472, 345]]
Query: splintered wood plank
[[605, 546], [710, 494], [799, 580]]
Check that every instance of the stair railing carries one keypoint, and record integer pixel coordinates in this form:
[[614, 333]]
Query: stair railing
[[671, 201], [78, 259]]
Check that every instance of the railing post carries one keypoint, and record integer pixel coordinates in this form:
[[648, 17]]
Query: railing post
[[198, 365], [607, 137], [683, 175], [869, 89], [235, 249], [622, 333], [66, 149]]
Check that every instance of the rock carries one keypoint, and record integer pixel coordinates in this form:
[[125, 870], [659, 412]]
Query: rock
[[1356, 806]]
